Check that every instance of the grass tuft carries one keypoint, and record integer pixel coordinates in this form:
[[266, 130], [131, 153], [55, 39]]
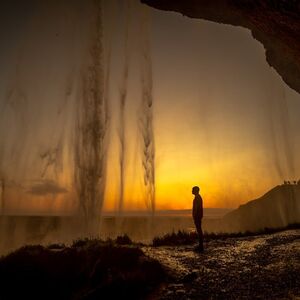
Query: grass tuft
[[123, 240], [188, 238]]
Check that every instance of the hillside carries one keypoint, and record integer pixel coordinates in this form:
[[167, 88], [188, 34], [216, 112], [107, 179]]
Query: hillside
[[277, 208]]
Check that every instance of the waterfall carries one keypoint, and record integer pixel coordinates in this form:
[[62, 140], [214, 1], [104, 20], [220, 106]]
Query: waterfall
[[91, 128], [146, 118], [122, 104]]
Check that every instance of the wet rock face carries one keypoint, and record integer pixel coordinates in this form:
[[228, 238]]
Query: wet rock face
[[275, 23]]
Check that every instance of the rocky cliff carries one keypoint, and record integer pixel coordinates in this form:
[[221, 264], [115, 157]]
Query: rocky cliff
[[275, 23], [277, 208]]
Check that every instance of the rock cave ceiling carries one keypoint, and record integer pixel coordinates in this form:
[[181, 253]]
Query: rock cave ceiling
[[275, 23]]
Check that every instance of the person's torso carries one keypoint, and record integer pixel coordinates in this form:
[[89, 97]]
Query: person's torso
[[198, 206]]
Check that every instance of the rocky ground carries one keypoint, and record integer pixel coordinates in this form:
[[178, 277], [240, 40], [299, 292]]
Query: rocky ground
[[265, 266], [257, 267]]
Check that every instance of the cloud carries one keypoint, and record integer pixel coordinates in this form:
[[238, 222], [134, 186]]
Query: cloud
[[46, 187]]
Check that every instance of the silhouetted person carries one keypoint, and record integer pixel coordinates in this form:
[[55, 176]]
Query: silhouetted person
[[198, 215]]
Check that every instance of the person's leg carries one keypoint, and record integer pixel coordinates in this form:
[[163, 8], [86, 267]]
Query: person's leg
[[200, 234]]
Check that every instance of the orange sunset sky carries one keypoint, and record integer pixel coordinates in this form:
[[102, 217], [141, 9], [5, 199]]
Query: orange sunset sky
[[223, 118]]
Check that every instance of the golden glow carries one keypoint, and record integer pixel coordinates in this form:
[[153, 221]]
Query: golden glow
[[223, 120]]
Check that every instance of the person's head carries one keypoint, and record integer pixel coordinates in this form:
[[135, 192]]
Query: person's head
[[195, 190]]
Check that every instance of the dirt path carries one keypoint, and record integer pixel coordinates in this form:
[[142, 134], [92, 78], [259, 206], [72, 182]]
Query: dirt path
[[263, 267]]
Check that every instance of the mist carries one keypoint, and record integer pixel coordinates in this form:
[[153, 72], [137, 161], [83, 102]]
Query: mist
[[115, 108]]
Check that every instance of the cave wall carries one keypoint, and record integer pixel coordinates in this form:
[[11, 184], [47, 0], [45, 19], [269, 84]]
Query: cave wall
[[275, 23]]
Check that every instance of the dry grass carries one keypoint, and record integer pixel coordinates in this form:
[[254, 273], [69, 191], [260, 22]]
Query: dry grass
[[187, 238]]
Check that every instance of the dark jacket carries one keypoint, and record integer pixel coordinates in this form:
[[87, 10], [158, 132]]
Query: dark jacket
[[197, 207]]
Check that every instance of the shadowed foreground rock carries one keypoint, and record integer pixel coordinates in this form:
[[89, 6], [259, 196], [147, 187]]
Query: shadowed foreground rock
[[88, 269]]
